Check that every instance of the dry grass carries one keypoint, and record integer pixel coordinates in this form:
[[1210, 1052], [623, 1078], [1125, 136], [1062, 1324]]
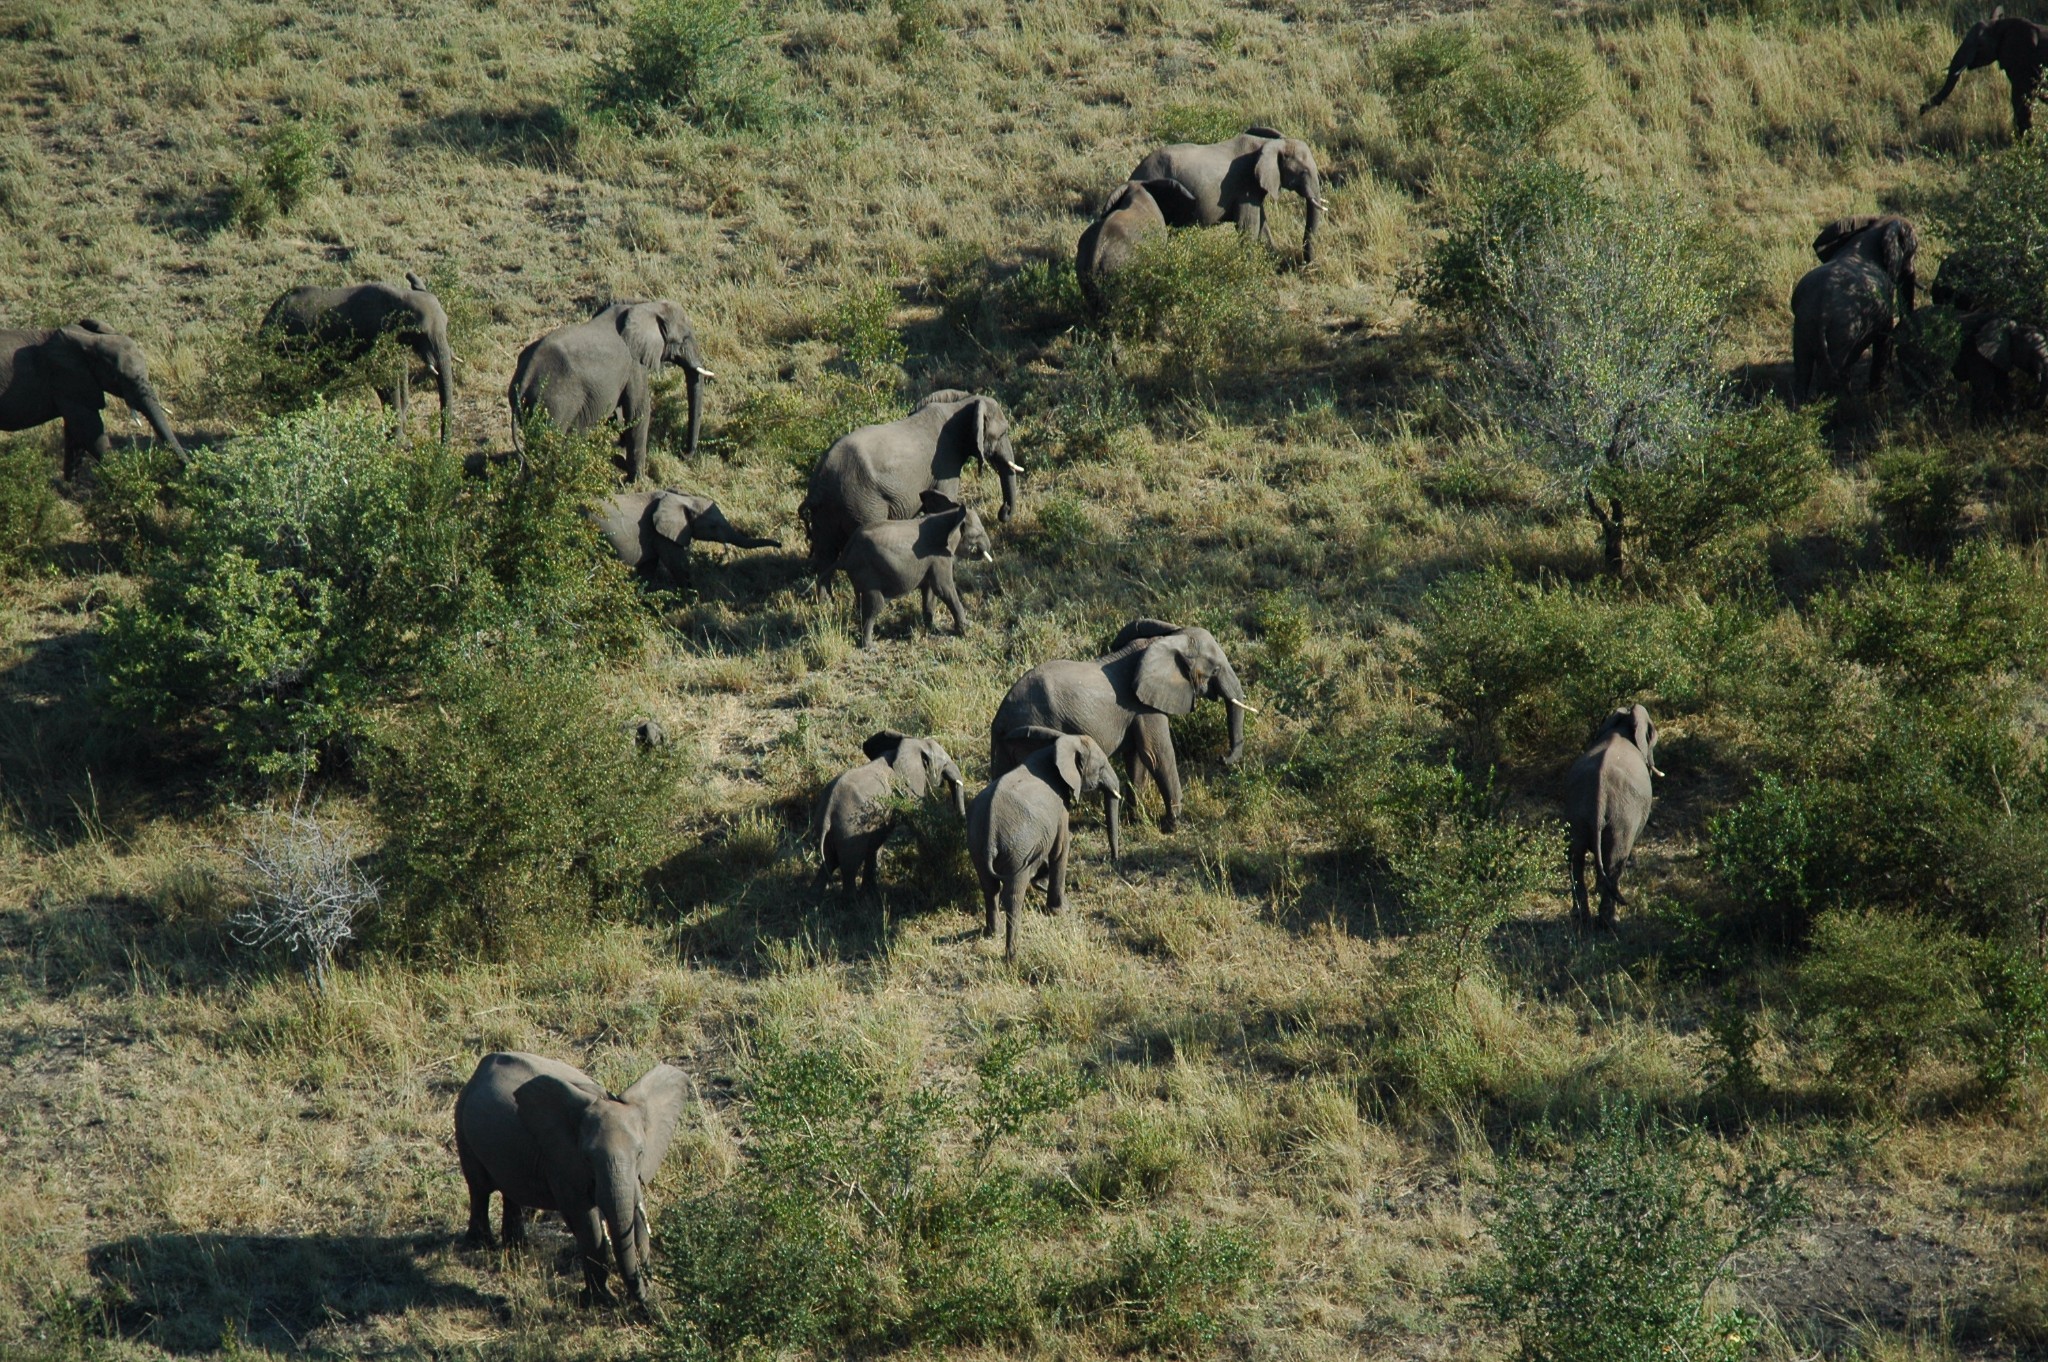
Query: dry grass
[[204, 1157]]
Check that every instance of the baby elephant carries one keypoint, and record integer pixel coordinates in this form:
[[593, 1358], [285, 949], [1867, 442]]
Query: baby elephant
[[652, 531], [1994, 348], [1607, 802], [891, 558], [853, 817], [1017, 828], [547, 1136], [1133, 213]]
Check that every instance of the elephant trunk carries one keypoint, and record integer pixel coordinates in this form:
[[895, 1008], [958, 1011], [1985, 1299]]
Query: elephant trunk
[[444, 374], [143, 399], [953, 778], [693, 383], [1006, 476], [1112, 807], [625, 1220], [1312, 219], [1231, 691]]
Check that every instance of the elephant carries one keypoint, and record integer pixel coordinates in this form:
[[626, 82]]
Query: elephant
[[349, 321], [1993, 347], [1018, 830], [1122, 700], [585, 373], [1607, 802], [2019, 48], [882, 472], [546, 1136], [891, 558], [1131, 214], [65, 374], [1845, 305], [1231, 180], [652, 531], [853, 817]]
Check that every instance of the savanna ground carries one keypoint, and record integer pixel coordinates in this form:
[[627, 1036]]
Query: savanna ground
[[202, 1156]]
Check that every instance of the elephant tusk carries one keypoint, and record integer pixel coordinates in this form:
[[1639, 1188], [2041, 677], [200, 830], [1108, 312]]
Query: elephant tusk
[[987, 557], [1114, 795], [1240, 704], [1657, 773], [703, 373]]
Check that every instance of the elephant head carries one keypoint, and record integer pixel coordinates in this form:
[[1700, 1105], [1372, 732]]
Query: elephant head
[[1886, 240], [920, 765], [657, 333], [93, 353], [684, 518], [427, 338], [989, 438], [1182, 666], [602, 1152], [1082, 767], [1287, 163], [968, 537], [1634, 724]]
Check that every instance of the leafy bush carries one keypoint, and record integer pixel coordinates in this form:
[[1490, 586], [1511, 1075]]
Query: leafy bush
[[2009, 1037], [1169, 1290], [1462, 872], [290, 164], [1919, 498], [699, 60], [315, 571], [862, 324], [1449, 90], [31, 516], [1930, 630], [1523, 202], [516, 810], [795, 423], [1996, 226], [1611, 1257], [987, 300], [1201, 300], [1885, 990], [1779, 849], [127, 510]]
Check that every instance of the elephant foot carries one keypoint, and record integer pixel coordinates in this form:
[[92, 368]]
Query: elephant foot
[[479, 1238], [1169, 821]]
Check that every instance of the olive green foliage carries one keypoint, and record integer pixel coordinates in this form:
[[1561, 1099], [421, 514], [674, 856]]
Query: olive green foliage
[[987, 300], [1201, 123], [917, 25], [863, 326], [315, 570], [1169, 1291], [1462, 873], [517, 806], [291, 162], [127, 509], [1919, 497], [31, 516], [1465, 96], [1610, 1256], [798, 422], [1198, 303], [1995, 224], [1885, 991], [698, 60], [1931, 631], [1524, 200]]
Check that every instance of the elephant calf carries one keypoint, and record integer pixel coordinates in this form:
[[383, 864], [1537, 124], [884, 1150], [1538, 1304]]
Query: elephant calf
[[891, 558], [652, 531], [1607, 802], [1132, 214], [546, 1136], [853, 817], [1018, 827], [1993, 349], [350, 320], [65, 374], [1846, 304]]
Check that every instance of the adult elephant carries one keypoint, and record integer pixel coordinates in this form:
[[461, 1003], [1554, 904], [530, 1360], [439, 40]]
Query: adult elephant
[[2019, 48], [882, 472], [65, 375], [1123, 700], [1132, 214], [348, 321], [1229, 181], [584, 374], [1847, 304], [652, 531]]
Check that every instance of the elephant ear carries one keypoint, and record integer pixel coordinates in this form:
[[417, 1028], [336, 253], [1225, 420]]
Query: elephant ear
[[1027, 738], [934, 502], [1260, 130], [672, 516], [1066, 759], [1142, 627], [657, 1099], [1898, 243], [1840, 233], [96, 326], [938, 395], [1267, 171], [552, 1112], [990, 426], [1166, 678], [415, 283], [883, 744], [640, 329]]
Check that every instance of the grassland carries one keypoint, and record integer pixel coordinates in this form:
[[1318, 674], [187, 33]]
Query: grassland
[[203, 1158]]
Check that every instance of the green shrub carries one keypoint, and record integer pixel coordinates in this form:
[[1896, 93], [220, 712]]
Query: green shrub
[[1524, 202], [1885, 990], [127, 509], [795, 423], [1462, 872], [2009, 1037], [1930, 630], [1919, 498], [1780, 851], [31, 515], [991, 302], [1449, 91], [862, 325], [1610, 1258], [1170, 1290], [516, 809], [1201, 301], [291, 163], [1995, 223], [698, 60]]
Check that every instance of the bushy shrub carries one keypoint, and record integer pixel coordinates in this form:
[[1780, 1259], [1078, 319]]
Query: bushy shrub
[[863, 326], [1610, 1258], [291, 163], [127, 509], [1462, 872], [1919, 498], [1886, 990], [516, 809], [1200, 300], [990, 301], [698, 60], [1931, 630], [1451, 91], [1779, 850], [1694, 516], [2009, 1037], [1170, 1290], [1524, 201], [31, 516], [1996, 226]]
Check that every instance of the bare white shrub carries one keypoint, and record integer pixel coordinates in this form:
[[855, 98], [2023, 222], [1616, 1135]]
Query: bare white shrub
[[308, 889]]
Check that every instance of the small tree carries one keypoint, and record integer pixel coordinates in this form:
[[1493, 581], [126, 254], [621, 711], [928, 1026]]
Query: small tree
[[309, 889], [1596, 348]]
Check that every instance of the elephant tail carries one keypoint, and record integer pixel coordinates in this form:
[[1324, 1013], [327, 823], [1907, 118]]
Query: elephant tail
[[1603, 833]]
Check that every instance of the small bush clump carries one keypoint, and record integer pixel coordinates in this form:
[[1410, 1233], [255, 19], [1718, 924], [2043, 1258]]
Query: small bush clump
[[1885, 991], [697, 60], [1454, 96], [31, 515], [1168, 1291], [291, 163], [1198, 301], [1919, 498]]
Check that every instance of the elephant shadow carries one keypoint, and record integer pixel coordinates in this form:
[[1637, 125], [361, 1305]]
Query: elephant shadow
[[183, 1292]]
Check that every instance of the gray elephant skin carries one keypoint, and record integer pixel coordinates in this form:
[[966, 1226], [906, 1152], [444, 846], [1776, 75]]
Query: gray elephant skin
[[584, 374], [2019, 48], [882, 472], [1606, 804], [65, 374], [1994, 348], [1131, 215], [890, 559], [853, 817], [352, 319], [1230, 181], [1018, 827], [1123, 700], [547, 1137], [652, 531], [1847, 303]]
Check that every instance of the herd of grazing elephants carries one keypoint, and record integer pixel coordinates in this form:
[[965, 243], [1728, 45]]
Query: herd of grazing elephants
[[885, 507]]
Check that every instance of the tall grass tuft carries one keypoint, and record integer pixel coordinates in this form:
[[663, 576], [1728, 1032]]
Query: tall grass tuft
[[697, 60]]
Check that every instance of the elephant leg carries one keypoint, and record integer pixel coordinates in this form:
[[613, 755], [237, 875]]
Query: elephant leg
[[636, 411], [824, 880], [514, 1224], [1013, 908], [949, 592], [924, 591], [1581, 911], [870, 606], [402, 390], [588, 1228], [1610, 895], [1056, 873], [1880, 358], [1165, 769], [1251, 221], [868, 869], [988, 904], [85, 432], [479, 1231], [2022, 108]]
